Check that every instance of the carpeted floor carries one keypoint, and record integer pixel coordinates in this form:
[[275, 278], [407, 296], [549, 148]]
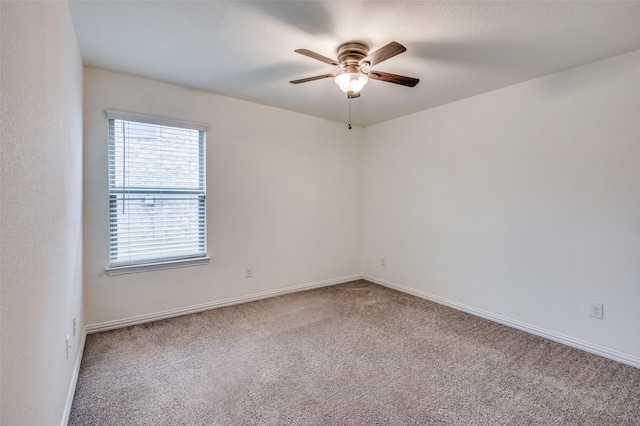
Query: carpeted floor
[[350, 354]]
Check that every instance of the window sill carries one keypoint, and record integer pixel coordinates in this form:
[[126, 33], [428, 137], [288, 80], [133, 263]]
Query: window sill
[[132, 269]]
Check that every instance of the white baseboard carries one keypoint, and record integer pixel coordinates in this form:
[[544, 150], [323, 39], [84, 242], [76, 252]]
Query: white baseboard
[[141, 319], [74, 379], [551, 335]]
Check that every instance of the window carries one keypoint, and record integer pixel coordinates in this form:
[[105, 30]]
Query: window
[[157, 196]]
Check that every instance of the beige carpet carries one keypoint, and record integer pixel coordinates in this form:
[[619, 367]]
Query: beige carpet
[[350, 354]]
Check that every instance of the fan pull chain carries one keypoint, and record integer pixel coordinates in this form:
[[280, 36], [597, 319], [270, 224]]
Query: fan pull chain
[[349, 112]]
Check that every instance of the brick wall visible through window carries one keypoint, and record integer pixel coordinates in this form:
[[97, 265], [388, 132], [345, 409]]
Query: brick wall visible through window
[[157, 195]]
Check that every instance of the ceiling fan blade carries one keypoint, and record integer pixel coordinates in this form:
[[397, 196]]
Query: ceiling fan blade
[[317, 77], [317, 56], [393, 78], [385, 52]]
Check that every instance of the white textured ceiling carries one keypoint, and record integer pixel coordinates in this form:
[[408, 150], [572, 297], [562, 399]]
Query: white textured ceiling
[[245, 49]]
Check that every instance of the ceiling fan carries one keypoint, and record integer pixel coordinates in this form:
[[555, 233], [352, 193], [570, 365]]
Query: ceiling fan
[[355, 62]]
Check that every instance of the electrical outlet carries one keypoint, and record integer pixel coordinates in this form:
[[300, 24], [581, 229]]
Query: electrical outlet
[[248, 272], [383, 261], [74, 326], [595, 310]]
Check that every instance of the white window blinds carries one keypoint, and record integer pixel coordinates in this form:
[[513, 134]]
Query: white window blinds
[[157, 196]]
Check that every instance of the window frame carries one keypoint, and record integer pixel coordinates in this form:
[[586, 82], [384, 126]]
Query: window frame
[[156, 264]]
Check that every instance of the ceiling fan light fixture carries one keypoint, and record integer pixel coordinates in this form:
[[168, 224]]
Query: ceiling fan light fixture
[[355, 61], [351, 81]]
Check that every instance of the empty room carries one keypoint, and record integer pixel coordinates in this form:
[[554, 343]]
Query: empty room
[[319, 212]]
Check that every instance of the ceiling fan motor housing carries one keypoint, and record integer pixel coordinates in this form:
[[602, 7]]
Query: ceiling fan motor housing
[[350, 54]]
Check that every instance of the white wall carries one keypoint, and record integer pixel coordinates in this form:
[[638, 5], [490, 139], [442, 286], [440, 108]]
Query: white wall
[[41, 209], [523, 202], [283, 195]]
